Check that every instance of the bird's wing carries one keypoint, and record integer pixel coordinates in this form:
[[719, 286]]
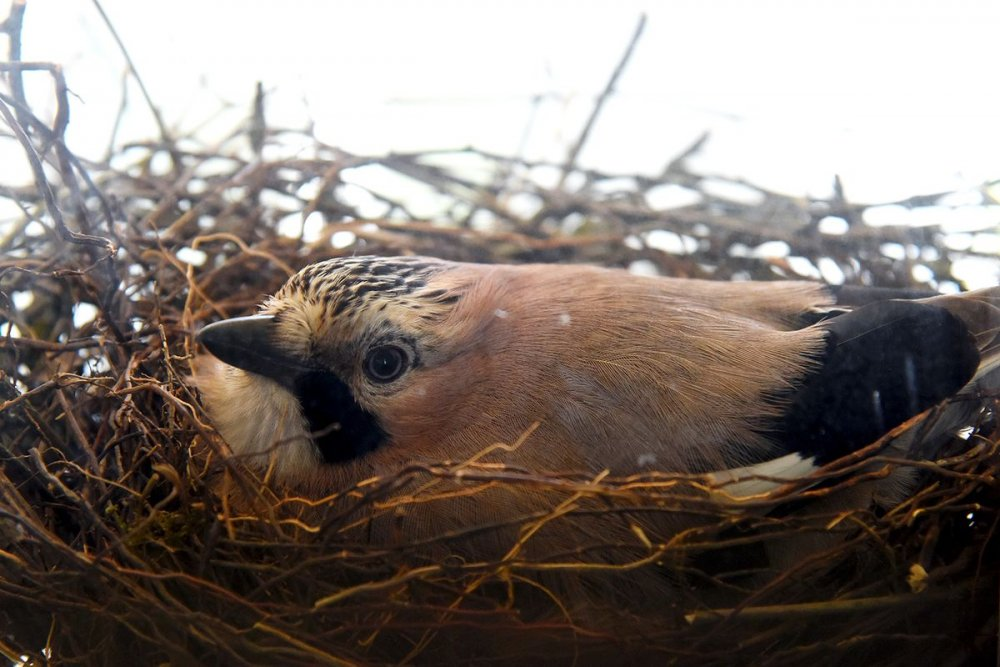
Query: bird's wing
[[980, 312], [884, 363]]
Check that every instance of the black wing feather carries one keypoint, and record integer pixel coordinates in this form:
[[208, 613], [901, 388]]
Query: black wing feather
[[883, 364]]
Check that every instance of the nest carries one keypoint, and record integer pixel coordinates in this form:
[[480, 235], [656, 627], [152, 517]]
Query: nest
[[126, 531]]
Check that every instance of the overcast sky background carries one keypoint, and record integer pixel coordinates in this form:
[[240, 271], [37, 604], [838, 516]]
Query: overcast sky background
[[898, 97]]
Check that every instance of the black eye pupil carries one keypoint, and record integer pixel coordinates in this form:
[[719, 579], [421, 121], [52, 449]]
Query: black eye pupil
[[385, 363]]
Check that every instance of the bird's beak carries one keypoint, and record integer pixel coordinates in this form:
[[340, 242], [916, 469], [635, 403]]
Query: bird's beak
[[250, 343]]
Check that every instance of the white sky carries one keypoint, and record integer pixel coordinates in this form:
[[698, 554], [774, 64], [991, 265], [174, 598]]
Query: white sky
[[897, 97]]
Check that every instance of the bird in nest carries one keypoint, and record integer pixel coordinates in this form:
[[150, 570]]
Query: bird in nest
[[359, 367]]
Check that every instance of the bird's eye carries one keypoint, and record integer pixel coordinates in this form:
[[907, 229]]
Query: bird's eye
[[385, 363]]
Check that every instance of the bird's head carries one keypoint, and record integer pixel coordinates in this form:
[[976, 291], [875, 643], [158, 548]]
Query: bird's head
[[347, 357]]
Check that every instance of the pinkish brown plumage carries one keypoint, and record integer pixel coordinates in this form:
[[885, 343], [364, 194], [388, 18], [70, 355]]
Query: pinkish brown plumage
[[359, 367], [601, 359]]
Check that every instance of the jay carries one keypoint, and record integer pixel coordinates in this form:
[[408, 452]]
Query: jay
[[358, 367]]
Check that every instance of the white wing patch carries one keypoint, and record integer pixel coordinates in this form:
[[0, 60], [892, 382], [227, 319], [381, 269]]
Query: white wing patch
[[762, 478]]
